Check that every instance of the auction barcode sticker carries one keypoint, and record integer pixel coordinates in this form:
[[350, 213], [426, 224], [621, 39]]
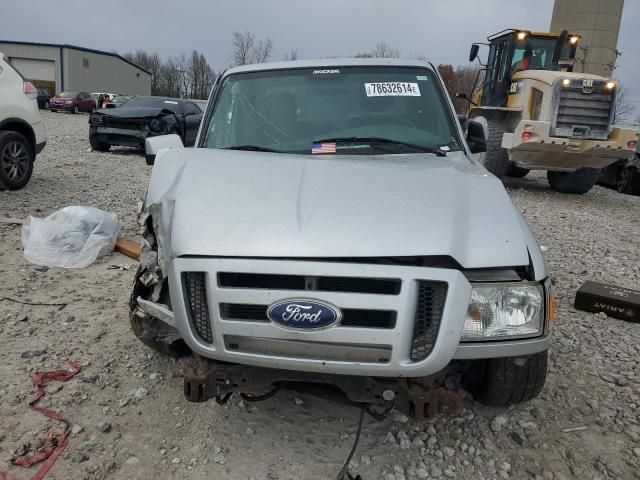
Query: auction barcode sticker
[[392, 89]]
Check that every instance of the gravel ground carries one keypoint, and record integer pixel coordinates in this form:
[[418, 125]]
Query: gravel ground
[[133, 422]]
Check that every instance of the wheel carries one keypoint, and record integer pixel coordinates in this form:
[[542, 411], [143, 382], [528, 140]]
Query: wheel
[[52, 110], [75, 109], [623, 181], [46, 105], [516, 171], [98, 145], [496, 158], [580, 181], [16, 160], [505, 381]]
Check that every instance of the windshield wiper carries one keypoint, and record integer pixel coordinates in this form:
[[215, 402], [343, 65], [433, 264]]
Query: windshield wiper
[[389, 141], [253, 148]]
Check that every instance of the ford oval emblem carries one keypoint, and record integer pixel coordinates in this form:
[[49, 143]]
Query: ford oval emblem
[[303, 314]]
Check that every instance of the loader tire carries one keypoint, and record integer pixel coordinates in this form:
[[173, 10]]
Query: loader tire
[[496, 158], [516, 171], [505, 381], [579, 182]]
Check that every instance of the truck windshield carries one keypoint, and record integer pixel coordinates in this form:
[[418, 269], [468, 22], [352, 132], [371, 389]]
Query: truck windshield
[[341, 110]]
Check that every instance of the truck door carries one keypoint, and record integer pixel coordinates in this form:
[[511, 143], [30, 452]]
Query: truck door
[[498, 74]]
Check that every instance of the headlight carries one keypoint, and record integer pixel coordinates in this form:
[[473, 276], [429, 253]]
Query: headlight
[[69, 102], [158, 126], [95, 119], [504, 310]]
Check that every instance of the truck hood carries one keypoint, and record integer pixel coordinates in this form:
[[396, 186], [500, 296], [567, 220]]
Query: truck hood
[[215, 202]]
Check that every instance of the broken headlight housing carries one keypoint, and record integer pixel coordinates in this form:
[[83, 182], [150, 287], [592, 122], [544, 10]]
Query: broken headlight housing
[[158, 126], [504, 310]]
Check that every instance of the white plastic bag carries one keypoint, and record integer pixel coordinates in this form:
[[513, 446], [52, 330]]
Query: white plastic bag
[[70, 238]]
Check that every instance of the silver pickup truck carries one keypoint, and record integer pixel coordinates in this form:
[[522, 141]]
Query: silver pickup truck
[[332, 230]]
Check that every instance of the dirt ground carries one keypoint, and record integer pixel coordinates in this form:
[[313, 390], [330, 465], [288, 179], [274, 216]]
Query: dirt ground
[[131, 420]]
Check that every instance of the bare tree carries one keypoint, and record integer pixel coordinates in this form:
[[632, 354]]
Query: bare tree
[[462, 79], [262, 50], [200, 76], [622, 107], [381, 50], [384, 50], [149, 61], [291, 55], [246, 50], [465, 82]]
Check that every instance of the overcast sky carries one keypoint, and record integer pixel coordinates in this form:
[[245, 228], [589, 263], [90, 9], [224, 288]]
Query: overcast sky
[[440, 30]]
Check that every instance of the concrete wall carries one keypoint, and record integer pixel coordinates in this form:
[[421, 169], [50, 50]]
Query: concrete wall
[[34, 52], [598, 21], [93, 72]]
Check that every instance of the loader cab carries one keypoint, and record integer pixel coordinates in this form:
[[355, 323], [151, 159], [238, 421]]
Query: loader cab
[[512, 51]]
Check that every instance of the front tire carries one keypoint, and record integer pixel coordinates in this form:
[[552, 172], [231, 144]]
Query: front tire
[[496, 158], [624, 181], [75, 109], [579, 182], [98, 145], [16, 160], [499, 382]]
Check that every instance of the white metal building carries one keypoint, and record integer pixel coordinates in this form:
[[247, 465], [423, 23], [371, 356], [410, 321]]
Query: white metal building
[[67, 67]]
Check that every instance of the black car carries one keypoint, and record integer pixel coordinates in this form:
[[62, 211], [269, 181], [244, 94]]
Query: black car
[[142, 117], [624, 175], [43, 99]]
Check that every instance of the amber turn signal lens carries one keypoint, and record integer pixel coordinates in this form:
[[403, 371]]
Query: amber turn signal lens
[[552, 304]]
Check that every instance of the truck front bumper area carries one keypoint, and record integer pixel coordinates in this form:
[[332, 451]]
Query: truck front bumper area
[[383, 350], [543, 152]]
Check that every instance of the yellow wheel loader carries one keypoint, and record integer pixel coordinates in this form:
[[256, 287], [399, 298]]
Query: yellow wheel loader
[[541, 115]]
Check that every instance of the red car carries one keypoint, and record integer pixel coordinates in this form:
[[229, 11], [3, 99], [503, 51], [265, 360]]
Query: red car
[[73, 102]]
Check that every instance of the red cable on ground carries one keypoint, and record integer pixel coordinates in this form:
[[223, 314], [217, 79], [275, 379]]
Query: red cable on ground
[[55, 445]]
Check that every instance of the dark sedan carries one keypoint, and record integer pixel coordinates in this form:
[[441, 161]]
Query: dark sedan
[[142, 117], [624, 175], [43, 99], [73, 102]]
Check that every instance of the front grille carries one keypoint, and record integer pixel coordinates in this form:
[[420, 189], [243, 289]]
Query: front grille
[[113, 122], [351, 317], [379, 286], [583, 112], [197, 307], [431, 298]]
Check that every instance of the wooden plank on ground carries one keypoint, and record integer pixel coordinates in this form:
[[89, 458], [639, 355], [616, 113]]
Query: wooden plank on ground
[[128, 248]]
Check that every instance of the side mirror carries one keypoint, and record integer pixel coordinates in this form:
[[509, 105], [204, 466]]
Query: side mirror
[[476, 136], [473, 53], [154, 144]]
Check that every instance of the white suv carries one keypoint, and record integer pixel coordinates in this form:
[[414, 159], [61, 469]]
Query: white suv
[[22, 132]]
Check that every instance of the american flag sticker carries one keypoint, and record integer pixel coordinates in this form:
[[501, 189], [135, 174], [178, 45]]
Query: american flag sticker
[[329, 147]]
